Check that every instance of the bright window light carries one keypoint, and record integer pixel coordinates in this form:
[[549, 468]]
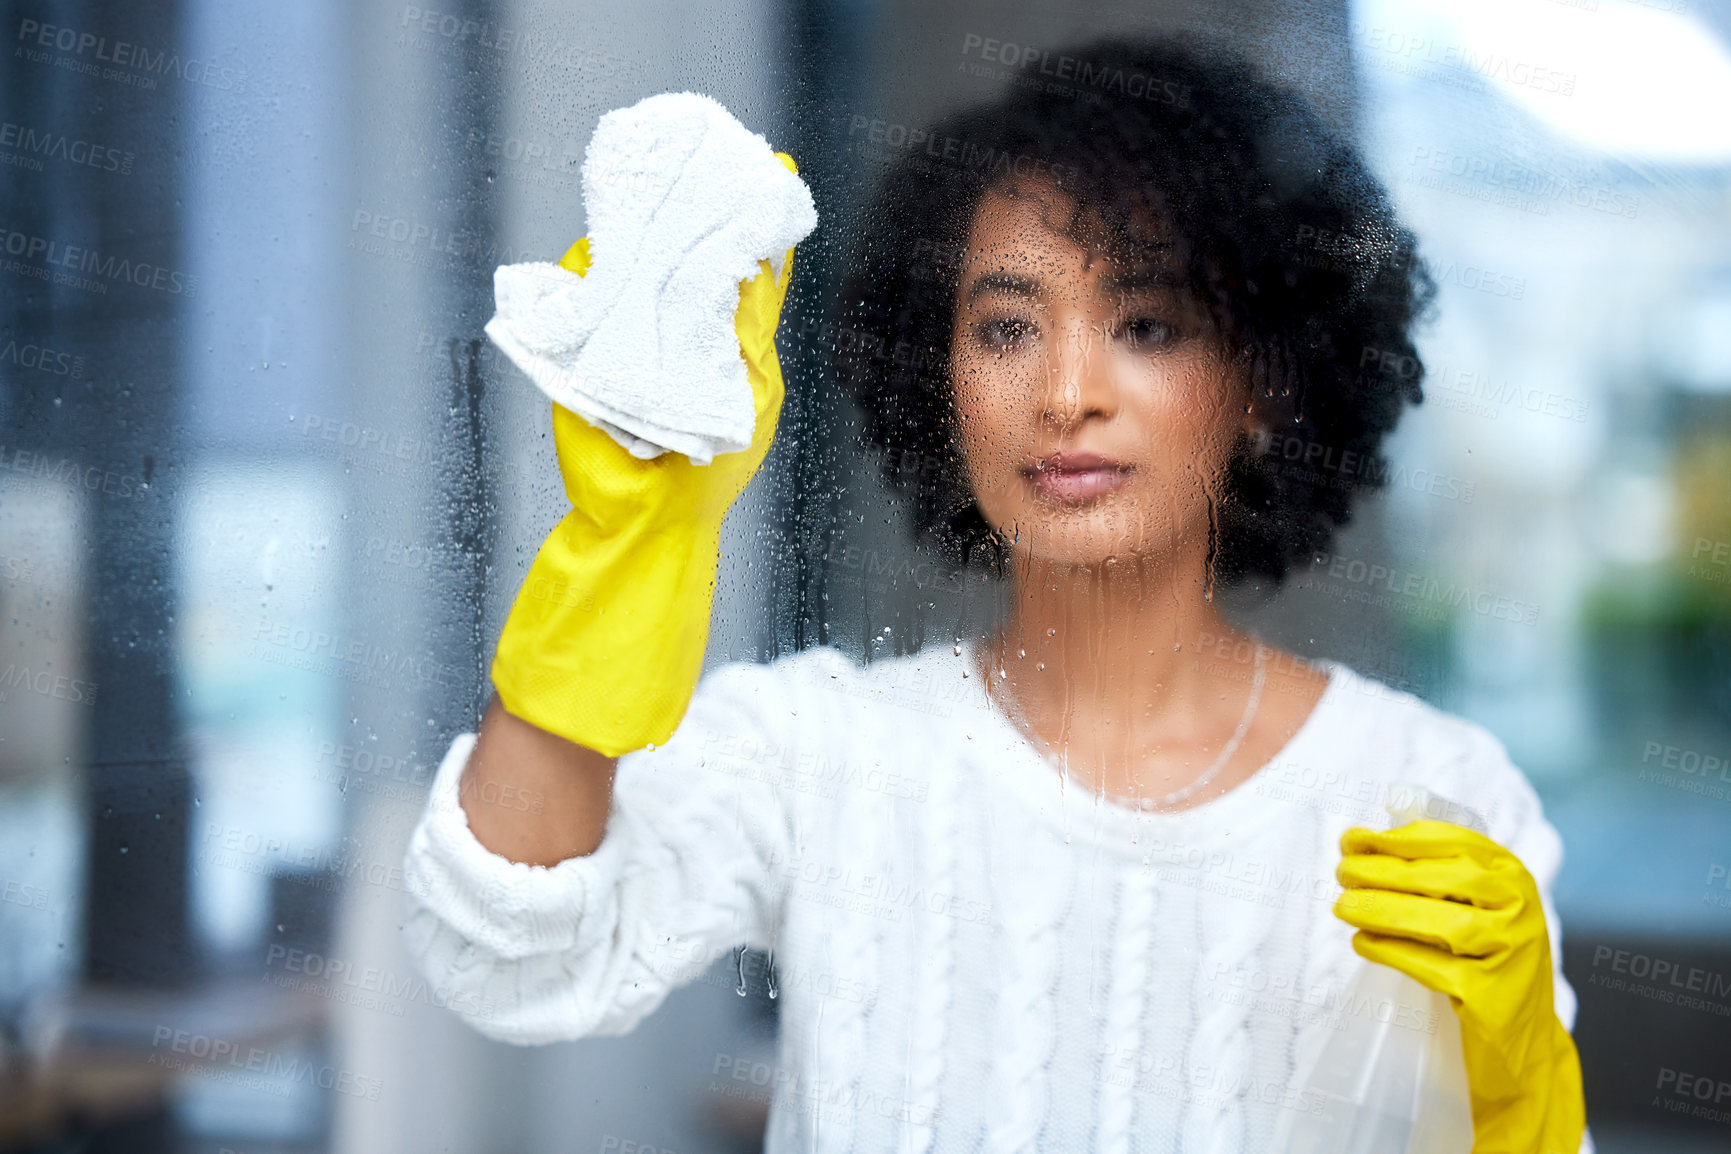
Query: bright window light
[[1638, 82]]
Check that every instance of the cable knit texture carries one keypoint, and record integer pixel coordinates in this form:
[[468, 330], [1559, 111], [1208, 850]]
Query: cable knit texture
[[972, 953], [1121, 1029], [935, 964], [1027, 979]]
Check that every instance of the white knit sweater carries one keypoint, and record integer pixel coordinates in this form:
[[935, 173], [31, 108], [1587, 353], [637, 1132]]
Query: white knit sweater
[[972, 953]]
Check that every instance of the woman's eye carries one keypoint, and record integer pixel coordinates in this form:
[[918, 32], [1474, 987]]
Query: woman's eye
[[1146, 332], [1003, 332]]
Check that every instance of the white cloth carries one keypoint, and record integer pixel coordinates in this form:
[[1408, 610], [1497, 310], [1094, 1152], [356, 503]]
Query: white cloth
[[683, 201], [972, 953]]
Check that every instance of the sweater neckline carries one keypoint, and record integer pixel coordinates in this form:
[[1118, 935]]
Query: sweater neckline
[[1077, 812]]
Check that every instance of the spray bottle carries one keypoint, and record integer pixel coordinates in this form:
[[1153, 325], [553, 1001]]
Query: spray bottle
[[1391, 1079]]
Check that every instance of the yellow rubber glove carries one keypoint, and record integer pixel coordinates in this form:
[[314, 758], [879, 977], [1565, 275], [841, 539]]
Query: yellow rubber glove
[[1460, 914], [605, 642]]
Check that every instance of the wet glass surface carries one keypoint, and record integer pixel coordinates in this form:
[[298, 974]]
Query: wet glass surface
[[268, 493]]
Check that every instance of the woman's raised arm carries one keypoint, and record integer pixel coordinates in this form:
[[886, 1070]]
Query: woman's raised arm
[[602, 650], [532, 796]]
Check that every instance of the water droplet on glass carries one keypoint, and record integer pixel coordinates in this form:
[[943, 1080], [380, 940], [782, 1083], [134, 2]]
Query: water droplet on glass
[[739, 964]]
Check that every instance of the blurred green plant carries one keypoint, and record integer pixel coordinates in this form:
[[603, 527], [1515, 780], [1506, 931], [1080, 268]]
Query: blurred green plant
[[1661, 633]]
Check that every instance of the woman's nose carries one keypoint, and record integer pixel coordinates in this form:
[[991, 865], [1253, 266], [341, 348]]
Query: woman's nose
[[1078, 380]]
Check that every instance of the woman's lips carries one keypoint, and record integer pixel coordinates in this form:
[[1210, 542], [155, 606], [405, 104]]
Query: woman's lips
[[1073, 478]]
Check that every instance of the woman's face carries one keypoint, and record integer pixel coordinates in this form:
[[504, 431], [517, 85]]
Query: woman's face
[[1097, 418]]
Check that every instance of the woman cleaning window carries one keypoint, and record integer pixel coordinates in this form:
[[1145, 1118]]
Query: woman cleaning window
[[1075, 884]]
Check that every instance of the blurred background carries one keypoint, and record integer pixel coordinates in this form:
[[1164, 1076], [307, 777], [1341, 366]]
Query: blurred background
[[266, 493]]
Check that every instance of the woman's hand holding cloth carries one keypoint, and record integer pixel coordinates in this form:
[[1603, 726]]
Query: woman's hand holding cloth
[[1460, 914], [605, 642], [657, 422]]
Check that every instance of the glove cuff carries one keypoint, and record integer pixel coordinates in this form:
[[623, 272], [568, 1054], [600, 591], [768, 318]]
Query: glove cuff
[[1544, 1111], [605, 642], [1566, 1116]]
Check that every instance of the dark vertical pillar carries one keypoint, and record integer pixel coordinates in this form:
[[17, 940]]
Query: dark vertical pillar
[[827, 65], [469, 106], [117, 421]]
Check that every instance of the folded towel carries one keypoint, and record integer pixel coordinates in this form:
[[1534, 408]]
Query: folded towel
[[683, 202]]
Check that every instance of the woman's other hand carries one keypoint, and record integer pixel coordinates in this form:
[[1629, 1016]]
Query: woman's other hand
[[1460, 914]]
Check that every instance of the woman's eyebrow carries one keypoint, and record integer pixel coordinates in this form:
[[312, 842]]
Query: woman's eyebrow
[[1004, 282]]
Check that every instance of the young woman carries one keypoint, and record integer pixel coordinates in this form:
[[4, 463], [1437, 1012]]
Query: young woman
[[1072, 885]]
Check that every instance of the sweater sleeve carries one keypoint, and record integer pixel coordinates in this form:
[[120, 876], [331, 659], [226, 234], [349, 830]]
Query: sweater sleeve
[[531, 954]]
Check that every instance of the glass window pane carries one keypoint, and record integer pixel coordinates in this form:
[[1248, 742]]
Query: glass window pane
[[453, 695]]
